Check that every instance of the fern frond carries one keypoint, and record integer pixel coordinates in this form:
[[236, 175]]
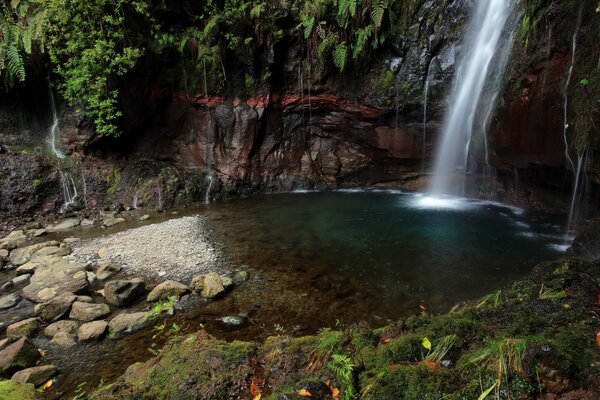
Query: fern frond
[[340, 56], [308, 26], [378, 8], [26, 39], [14, 64]]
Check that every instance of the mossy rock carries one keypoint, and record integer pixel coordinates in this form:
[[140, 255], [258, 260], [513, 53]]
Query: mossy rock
[[18, 391]]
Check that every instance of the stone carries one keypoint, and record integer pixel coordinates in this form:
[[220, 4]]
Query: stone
[[37, 376], [130, 322], [227, 282], [9, 301], [39, 232], [14, 239], [25, 328], [59, 251], [56, 279], [106, 270], [28, 267], [21, 354], [85, 299], [23, 255], [232, 320], [66, 326], [4, 253], [87, 222], [64, 225], [88, 311], [240, 277], [11, 390], [144, 217], [5, 342], [122, 293], [92, 330], [21, 279], [56, 308], [71, 240], [167, 289], [64, 339], [91, 277], [103, 252], [112, 221], [210, 285]]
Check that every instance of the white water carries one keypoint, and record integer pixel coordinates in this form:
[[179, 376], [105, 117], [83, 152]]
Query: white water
[[565, 93], [481, 42], [425, 100], [209, 170], [579, 173]]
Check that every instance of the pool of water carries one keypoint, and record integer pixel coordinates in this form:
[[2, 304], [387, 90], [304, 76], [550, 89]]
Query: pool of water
[[395, 250]]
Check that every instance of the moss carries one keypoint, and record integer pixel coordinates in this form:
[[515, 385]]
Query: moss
[[18, 391], [113, 180], [36, 182]]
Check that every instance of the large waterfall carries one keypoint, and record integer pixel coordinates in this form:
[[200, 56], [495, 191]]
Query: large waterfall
[[479, 46]]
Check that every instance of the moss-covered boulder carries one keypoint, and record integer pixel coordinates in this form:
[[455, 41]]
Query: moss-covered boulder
[[18, 391]]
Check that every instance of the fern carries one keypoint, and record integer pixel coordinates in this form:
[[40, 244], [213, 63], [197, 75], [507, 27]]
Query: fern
[[343, 367], [326, 44], [340, 56], [378, 8], [308, 26], [362, 36]]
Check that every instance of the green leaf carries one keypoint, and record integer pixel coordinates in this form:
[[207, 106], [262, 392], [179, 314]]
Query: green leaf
[[488, 391], [426, 343]]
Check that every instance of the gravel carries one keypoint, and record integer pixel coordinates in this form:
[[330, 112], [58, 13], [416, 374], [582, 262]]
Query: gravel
[[176, 249]]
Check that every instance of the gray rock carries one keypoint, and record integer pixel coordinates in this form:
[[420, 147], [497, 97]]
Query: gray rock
[[21, 354], [64, 339], [56, 279], [92, 330], [122, 293], [23, 255], [28, 268], [88, 311], [210, 285], [112, 221], [64, 225], [144, 217], [232, 320], [56, 308], [167, 289], [85, 299], [59, 251], [37, 376], [38, 232], [240, 277], [130, 322], [21, 279], [9, 301], [66, 326], [25, 328], [106, 270]]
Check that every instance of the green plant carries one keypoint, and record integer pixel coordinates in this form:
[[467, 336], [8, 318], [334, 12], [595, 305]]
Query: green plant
[[495, 299], [440, 348], [549, 294], [343, 367], [80, 392]]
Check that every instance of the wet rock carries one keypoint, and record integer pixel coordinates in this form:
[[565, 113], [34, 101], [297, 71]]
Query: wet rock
[[130, 322], [56, 279], [9, 301], [20, 279], [210, 285], [28, 268], [240, 277], [92, 330], [232, 320], [122, 293], [13, 240], [71, 240], [38, 232], [107, 270], [112, 221], [37, 376], [64, 339], [87, 222], [56, 308], [144, 217], [85, 299], [22, 255], [25, 328], [64, 225], [66, 326], [19, 355], [586, 244], [59, 251], [18, 391], [88, 311], [167, 289]]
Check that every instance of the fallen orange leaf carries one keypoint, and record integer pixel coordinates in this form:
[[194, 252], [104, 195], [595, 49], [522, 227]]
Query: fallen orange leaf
[[386, 340], [335, 393], [254, 389], [48, 384], [304, 393], [313, 358], [430, 364], [598, 338]]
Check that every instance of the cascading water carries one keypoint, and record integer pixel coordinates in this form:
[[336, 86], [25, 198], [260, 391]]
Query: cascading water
[[425, 100], [209, 170], [578, 177], [483, 36]]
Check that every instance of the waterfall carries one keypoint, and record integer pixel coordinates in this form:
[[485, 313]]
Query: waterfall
[[565, 93], [485, 29], [209, 170], [425, 100], [576, 184]]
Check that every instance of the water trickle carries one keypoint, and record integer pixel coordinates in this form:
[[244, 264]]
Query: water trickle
[[566, 90], [484, 32], [209, 169], [425, 100], [575, 196]]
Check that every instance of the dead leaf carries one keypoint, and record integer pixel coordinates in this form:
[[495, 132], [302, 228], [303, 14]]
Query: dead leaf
[[313, 358], [304, 393], [386, 340], [254, 389], [598, 338], [335, 393], [47, 385], [430, 364]]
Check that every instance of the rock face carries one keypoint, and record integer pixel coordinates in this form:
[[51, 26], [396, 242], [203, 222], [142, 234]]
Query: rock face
[[167, 289], [35, 375], [92, 330], [88, 311], [55, 279], [24, 328], [21, 354], [121, 293]]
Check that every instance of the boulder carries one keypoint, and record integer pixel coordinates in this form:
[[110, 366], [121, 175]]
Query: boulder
[[64, 339], [88, 311], [123, 292], [56, 279], [13, 240], [111, 221], [25, 328], [87, 222], [59, 251], [21, 279], [167, 289], [18, 391], [37, 376], [211, 285], [56, 308], [130, 322], [9, 301], [21, 354], [66, 326], [23, 255], [64, 225], [92, 330], [106, 270]]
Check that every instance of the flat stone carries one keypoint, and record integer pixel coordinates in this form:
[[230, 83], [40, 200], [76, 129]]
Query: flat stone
[[59, 251], [37, 376], [64, 225], [39, 232], [103, 252], [106, 270], [85, 299], [92, 330], [56, 308], [29, 267], [144, 217], [122, 293], [66, 326], [88, 311], [112, 221], [9, 301], [87, 222], [21, 354], [55, 279], [22, 255], [64, 339], [167, 289], [21, 279], [25, 328], [130, 322], [71, 240]]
